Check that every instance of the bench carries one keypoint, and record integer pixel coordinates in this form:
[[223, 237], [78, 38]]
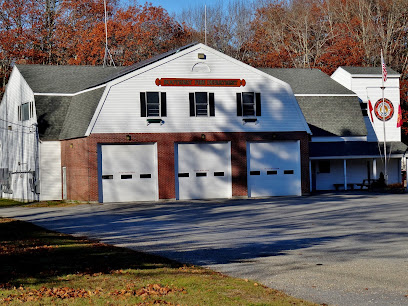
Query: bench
[[349, 186], [366, 183]]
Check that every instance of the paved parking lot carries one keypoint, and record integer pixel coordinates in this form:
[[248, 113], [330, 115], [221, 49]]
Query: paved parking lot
[[340, 249]]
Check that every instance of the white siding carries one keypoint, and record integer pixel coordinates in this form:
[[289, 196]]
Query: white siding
[[50, 173], [120, 111], [19, 140], [369, 87], [343, 77]]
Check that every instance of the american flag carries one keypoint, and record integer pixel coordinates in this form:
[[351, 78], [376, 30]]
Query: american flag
[[384, 68]]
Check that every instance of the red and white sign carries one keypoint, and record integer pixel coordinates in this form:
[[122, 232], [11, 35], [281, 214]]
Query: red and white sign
[[200, 82], [384, 111]]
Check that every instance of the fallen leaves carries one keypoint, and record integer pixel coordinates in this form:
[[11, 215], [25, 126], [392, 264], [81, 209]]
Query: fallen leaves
[[149, 290], [62, 293]]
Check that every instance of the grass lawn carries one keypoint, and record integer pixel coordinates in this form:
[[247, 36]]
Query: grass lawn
[[11, 203], [41, 267]]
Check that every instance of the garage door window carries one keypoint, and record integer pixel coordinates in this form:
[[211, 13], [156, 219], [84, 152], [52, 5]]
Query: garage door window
[[201, 104], [248, 104], [153, 104]]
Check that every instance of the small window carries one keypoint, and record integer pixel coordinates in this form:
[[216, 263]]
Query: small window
[[249, 104], [201, 104], [218, 173], [25, 111], [146, 175], [288, 172], [126, 176], [153, 104], [183, 175], [271, 172], [255, 172], [107, 177], [324, 166], [198, 174]]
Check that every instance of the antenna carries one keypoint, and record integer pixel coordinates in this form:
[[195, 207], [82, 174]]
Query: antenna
[[107, 52], [205, 24]]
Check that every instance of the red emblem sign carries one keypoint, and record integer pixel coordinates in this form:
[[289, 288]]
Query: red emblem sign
[[384, 111], [200, 82]]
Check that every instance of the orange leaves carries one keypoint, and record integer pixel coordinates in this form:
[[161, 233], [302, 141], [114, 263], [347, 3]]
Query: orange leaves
[[31, 295], [149, 290], [63, 293]]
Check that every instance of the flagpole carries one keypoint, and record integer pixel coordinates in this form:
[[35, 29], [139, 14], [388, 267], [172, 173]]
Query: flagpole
[[383, 115]]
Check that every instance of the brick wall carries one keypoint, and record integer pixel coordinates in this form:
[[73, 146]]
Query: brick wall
[[80, 156]]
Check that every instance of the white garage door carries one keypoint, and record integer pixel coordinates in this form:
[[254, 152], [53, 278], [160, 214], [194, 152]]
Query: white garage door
[[274, 168], [129, 173], [203, 171]]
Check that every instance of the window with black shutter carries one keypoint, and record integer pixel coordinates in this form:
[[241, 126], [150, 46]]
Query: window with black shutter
[[249, 104], [153, 104], [202, 104]]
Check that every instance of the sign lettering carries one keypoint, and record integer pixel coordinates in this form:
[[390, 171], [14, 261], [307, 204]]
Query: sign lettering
[[200, 82]]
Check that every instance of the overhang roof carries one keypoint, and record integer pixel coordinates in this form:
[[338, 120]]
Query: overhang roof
[[354, 149]]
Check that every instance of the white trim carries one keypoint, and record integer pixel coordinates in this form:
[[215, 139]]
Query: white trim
[[356, 157], [68, 94], [326, 95], [373, 75], [339, 139]]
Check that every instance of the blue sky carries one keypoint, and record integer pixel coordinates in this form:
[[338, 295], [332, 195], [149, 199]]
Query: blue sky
[[176, 6]]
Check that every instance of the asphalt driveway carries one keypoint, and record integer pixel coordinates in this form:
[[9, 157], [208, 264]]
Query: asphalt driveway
[[340, 249]]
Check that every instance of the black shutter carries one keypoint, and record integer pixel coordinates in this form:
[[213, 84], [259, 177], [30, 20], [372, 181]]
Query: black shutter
[[212, 106], [239, 104], [258, 103], [192, 108], [142, 104], [163, 105]]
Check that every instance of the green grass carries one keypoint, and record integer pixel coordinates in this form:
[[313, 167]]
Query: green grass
[[41, 267], [11, 203]]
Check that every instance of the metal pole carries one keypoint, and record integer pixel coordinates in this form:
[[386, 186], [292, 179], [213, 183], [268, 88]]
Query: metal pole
[[106, 36], [205, 24]]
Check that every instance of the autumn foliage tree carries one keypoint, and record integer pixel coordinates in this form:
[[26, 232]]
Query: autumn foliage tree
[[73, 32]]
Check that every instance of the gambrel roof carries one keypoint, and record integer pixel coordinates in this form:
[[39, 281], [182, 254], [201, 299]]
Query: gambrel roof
[[330, 108]]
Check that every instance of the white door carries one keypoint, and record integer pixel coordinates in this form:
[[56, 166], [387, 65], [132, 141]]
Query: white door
[[274, 168], [129, 173], [203, 170]]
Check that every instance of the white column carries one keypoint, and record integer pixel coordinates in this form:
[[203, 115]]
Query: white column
[[345, 173], [374, 169]]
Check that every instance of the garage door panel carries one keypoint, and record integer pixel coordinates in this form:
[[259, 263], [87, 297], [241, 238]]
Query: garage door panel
[[274, 168], [129, 173], [204, 170]]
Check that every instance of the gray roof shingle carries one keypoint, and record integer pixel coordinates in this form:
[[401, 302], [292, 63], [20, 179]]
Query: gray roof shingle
[[71, 79], [333, 116], [79, 115], [308, 81], [65, 79], [368, 70]]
